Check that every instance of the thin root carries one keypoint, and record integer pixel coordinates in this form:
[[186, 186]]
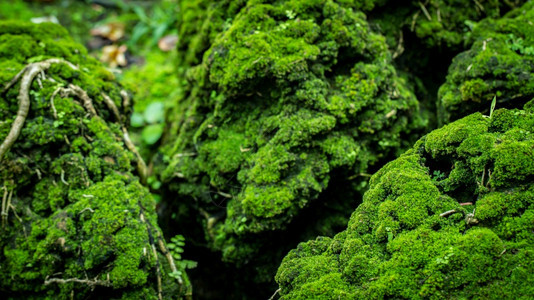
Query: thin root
[[111, 105], [141, 165], [423, 8], [274, 295], [448, 213], [26, 76], [89, 282], [4, 201]]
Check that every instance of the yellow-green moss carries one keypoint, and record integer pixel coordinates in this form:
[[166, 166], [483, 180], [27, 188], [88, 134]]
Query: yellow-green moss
[[279, 98], [77, 208], [451, 218]]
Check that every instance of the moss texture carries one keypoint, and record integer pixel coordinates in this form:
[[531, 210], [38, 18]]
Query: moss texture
[[280, 97], [76, 222], [499, 64], [451, 218]]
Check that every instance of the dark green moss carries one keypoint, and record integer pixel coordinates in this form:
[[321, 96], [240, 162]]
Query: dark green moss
[[76, 222], [499, 64], [451, 218]]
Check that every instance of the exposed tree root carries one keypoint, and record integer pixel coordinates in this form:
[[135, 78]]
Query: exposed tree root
[[4, 207], [89, 282], [274, 295], [111, 105], [141, 165], [26, 76]]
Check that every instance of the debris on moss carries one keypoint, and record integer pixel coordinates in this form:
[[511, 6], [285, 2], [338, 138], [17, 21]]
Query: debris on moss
[[499, 64], [76, 222], [280, 98], [452, 217]]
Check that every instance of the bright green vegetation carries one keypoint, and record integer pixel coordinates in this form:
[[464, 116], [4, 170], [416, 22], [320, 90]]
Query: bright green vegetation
[[279, 99], [76, 221], [451, 218], [500, 63]]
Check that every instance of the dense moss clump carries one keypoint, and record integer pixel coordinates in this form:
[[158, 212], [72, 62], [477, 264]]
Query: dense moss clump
[[499, 64], [280, 97], [437, 23], [76, 222], [451, 218]]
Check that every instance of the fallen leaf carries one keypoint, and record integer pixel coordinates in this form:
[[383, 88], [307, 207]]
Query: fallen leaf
[[114, 55], [168, 42], [113, 31]]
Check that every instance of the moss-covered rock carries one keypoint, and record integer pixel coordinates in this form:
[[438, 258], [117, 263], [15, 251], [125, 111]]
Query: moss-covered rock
[[499, 64], [451, 218], [280, 97], [76, 222], [437, 23]]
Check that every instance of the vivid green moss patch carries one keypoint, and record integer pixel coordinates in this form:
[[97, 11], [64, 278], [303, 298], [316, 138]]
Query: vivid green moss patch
[[451, 218], [76, 221], [499, 64], [279, 98]]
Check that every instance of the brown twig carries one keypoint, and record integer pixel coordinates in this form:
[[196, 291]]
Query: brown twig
[[26, 76]]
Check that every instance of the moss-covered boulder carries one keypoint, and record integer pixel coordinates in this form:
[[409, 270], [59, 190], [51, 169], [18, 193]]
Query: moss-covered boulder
[[451, 218], [279, 99], [499, 64], [76, 222]]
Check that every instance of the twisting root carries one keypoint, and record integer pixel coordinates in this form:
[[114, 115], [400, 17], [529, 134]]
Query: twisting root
[[141, 165], [26, 76], [87, 102]]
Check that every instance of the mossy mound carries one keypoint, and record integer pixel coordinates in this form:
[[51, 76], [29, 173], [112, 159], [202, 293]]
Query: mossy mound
[[76, 222], [451, 218], [437, 23], [499, 64], [285, 96]]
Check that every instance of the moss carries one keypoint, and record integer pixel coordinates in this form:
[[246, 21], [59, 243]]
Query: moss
[[78, 211], [280, 97], [498, 64], [450, 218]]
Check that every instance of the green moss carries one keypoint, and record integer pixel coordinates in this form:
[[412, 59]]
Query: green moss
[[280, 97], [78, 211], [451, 218], [498, 64]]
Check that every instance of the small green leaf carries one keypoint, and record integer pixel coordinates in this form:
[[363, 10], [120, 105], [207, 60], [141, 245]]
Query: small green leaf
[[152, 133], [155, 113], [137, 120], [493, 103]]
